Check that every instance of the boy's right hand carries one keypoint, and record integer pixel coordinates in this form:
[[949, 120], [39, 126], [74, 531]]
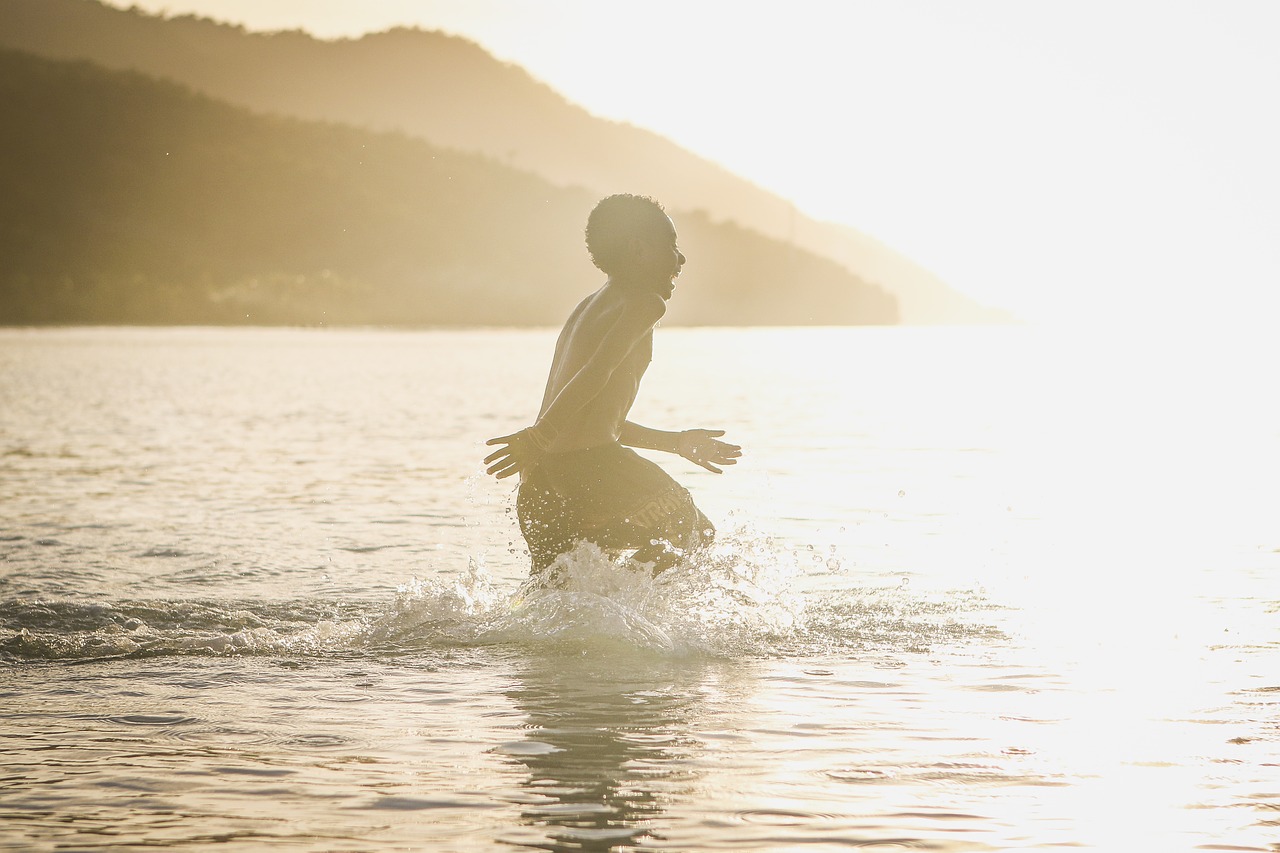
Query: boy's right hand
[[520, 452]]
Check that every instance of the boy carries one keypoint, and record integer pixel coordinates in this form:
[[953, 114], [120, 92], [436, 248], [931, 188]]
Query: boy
[[579, 477]]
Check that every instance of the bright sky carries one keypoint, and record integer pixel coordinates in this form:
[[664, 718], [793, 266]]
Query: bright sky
[[1053, 157]]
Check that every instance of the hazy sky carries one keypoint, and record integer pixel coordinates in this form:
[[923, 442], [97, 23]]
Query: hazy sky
[[1050, 157]]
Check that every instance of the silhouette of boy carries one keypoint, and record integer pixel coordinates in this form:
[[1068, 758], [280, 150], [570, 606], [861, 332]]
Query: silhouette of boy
[[579, 478]]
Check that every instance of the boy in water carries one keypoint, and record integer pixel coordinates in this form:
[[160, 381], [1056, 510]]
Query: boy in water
[[579, 478]]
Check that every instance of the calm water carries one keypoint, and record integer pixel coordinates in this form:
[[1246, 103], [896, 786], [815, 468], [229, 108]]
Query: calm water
[[974, 590]]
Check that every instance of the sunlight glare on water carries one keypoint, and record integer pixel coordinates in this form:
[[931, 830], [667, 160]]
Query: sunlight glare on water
[[972, 589]]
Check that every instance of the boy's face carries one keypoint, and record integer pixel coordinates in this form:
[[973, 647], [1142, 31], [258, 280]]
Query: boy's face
[[658, 259]]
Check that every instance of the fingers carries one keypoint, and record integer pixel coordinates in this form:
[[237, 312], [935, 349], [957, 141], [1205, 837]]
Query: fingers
[[726, 454], [504, 469], [500, 453], [707, 452], [723, 447], [503, 462], [503, 473], [514, 456]]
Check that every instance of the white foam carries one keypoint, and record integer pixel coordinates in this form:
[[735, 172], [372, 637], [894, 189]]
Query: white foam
[[724, 600]]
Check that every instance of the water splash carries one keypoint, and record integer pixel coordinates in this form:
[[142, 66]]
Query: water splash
[[742, 597], [726, 600]]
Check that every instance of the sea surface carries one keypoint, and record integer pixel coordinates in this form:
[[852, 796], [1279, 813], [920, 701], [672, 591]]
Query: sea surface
[[973, 589]]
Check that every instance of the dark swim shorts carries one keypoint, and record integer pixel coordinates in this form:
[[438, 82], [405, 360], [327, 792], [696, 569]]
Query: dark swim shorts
[[608, 495]]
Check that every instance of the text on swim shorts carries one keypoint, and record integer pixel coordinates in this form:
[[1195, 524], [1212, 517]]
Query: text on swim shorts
[[659, 507]]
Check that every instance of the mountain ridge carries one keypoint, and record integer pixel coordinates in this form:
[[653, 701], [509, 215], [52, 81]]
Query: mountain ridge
[[128, 199], [449, 91]]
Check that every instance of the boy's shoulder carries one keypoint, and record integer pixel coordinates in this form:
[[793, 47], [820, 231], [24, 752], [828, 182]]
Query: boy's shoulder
[[640, 307], [647, 306]]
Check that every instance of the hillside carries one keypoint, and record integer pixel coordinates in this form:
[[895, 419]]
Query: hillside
[[451, 93], [128, 199]]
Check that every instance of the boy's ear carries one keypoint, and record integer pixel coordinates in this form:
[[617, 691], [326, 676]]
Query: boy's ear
[[635, 248]]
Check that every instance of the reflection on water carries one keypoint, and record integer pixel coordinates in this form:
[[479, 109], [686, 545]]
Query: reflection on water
[[982, 591], [607, 745]]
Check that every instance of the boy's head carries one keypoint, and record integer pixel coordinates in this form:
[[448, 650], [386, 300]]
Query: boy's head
[[616, 222]]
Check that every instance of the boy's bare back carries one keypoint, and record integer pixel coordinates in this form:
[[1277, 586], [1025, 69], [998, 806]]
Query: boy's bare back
[[609, 313], [605, 348]]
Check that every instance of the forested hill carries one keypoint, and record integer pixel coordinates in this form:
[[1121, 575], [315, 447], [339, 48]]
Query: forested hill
[[128, 199], [449, 92]]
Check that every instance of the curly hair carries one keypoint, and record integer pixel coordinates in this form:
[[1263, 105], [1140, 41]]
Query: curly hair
[[614, 221]]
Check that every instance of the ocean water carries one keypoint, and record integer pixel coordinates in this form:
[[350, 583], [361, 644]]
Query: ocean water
[[974, 589]]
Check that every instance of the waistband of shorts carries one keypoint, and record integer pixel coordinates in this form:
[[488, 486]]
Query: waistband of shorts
[[609, 449]]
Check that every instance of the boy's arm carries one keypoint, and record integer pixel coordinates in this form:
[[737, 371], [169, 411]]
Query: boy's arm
[[699, 446], [635, 321], [635, 435], [522, 450]]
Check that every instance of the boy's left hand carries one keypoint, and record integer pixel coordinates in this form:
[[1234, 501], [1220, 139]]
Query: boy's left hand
[[702, 447]]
